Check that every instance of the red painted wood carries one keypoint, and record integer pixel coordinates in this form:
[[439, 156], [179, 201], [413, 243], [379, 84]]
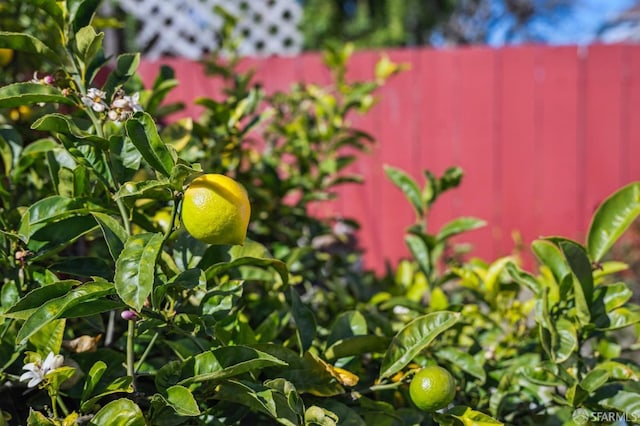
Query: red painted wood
[[475, 143], [357, 199], [543, 133], [440, 122], [313, 71], [631, 151], [555, 162], [517, 149], [396, 137], [603, 126]]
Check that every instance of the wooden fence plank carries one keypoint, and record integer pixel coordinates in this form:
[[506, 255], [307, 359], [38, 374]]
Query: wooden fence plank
[[439, 129], [556, 164], [603, 127], [395, 149], [632, 107], [517, 137], [474, 145], [357, 199]]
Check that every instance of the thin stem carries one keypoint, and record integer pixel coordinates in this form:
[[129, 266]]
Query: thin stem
[[54, 403], [376, 388], [130, 353], [63, 407], [174, 212], [146, 351], [108, 340], [124, 214]]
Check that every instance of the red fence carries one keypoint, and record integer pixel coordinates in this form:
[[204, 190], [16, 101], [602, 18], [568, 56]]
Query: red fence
[[542, 133]]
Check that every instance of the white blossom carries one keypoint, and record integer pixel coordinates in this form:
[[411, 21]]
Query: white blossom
[[124, 106], [95, 99], [36, 371]]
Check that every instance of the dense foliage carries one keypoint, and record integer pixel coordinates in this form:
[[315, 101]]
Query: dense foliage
[[110, 313]]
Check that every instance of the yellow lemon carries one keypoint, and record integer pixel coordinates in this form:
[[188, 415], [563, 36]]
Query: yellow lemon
[[6, 56], [432, 388], [216, 210]]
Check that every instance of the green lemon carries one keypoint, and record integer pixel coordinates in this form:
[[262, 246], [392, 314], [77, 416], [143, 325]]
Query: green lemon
[[216, 210], [432, 388]]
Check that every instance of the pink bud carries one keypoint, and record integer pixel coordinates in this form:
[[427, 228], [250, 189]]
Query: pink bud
[[48, 79], [129, 315]]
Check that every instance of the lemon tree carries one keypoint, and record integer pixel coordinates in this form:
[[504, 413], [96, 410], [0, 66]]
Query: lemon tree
[[216, 210], [432, 388]]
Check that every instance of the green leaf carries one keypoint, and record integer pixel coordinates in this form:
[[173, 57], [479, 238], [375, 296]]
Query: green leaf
[[619, 318], [81, 13], [305, 321], [594, 380], [182, 401], [619, 370], [121, 412], [29, 44], [541, 375], [261, 398], [84, 266], [153, 189], [224, 363], [118, 385], [94, 376], [524, 278], [458, 226], [408, 186], [47, 240], [16, 94], [114, 234], [420, 251], [90, 155], [87, 44], [53, 9], [550, 255], [135, 268], [36, 418], [144, 135], [347, 324], [59, 123], [579, 263], [608, 268], [49, 338], [125, 158], [469, 417], [308, 373], [57, 308], [346, 415], [624, 402], [220, 268], [567, 342], [413, 338], [611, 219], [609, 297], [6, 156], [126, 67], [464, 361], [37, 297], [357, 345]]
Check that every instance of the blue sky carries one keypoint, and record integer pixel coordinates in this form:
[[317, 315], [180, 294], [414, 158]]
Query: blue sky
[[575, 22]]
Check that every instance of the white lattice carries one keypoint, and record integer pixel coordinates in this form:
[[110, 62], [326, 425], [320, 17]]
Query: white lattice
[[188, 27]]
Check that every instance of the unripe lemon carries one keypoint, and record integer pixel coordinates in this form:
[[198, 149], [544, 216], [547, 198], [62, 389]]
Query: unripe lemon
[[216, 210], [432, 388]]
